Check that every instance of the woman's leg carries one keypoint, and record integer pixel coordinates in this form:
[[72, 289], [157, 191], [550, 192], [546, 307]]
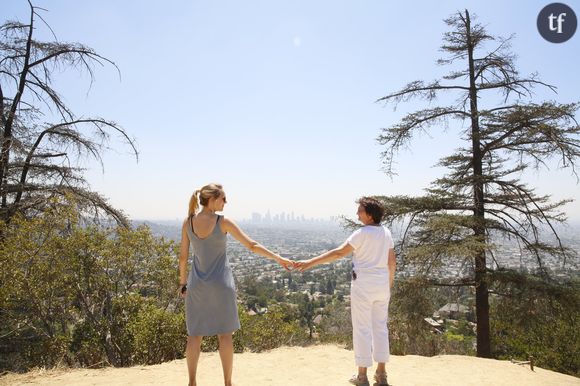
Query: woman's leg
[[381, 349], [380, 316], [192, 352], [227, 356], [360, 309], [381, 369]]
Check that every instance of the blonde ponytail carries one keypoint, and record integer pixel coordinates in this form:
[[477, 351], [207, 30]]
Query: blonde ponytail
[[193, 204], [205, 193]]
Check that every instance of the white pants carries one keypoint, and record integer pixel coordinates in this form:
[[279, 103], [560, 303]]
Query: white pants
[[369, 304]]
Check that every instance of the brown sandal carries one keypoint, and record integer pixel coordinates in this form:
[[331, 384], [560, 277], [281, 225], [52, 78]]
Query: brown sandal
[[381, 379]]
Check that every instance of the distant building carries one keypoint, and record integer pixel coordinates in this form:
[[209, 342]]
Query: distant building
[[256, 218]]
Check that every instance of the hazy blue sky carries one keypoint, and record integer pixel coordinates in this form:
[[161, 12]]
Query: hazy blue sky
[[275, 99]]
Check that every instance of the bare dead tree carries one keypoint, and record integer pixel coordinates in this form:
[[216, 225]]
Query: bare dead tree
[[39, 160]]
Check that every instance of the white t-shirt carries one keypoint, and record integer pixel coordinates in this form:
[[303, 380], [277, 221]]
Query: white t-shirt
[[371, 245]]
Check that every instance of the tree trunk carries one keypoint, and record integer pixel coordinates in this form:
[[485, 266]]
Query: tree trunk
[[9, 120], [481, 291]]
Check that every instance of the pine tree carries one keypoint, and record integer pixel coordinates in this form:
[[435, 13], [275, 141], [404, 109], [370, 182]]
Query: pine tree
[[482, 198]]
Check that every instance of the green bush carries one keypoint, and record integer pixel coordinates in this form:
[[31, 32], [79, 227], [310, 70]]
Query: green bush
[[539, 321], [69, 292], [140, 331], [86, 346], [277, 327], [411, 301], [158, 335], [268, 331], [336, 325]]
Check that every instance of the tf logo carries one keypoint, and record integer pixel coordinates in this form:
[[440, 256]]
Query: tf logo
[[557, 22]]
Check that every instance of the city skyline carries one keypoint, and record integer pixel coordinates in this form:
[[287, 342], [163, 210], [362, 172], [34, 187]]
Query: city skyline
[[268, 217]]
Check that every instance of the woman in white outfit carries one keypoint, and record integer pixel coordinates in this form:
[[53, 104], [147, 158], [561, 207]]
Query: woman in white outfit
[[372, 279]]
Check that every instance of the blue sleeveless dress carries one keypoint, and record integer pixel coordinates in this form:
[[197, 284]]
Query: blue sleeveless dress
[[210, 303]]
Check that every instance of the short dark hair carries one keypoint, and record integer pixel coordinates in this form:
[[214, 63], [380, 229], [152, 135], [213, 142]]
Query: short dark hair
[[373, 208]]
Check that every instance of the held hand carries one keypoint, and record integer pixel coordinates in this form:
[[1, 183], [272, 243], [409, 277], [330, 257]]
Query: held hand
[[294, 267], [287, 264], [303, 265]]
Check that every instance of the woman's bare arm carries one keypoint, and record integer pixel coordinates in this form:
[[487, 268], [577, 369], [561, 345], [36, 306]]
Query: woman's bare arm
[[392, 261], [183, 254], [334, 254]]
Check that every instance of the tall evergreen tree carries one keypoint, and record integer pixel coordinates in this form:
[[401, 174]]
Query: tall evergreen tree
[[482, 198], [41, 138]]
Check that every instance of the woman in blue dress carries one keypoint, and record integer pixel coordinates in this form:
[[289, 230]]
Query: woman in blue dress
[[209, 289]]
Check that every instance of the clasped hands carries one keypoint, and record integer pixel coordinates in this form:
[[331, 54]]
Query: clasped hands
[[299, 265]]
